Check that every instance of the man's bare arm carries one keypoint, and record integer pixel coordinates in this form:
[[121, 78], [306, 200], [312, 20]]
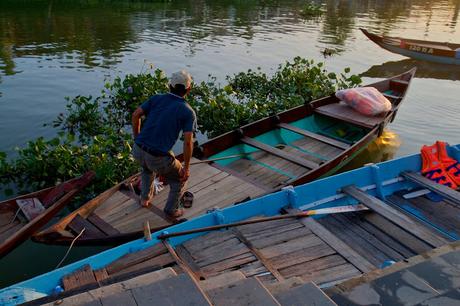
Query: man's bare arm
[[136, 121], [188, 150]]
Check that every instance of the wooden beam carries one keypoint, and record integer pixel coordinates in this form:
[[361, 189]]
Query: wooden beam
[[187, 269], [266, 262], [280, 153], [324, 139], [396, 217], [338, 245], [391, 96], [442, 190]]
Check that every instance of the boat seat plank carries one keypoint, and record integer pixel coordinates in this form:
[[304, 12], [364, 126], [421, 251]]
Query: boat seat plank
[[157, 262], [383, 209], [102, 225], [442, 190], [321, 138], [332, 275], [78, 223], [345, 113], [399, 85], [277, 152], [390, 96]]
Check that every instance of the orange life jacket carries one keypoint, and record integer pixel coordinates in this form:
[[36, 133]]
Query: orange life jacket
[[432, 167], [451, 166]]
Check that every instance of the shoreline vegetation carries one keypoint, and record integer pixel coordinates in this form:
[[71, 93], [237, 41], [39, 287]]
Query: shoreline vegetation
[[95, 132]]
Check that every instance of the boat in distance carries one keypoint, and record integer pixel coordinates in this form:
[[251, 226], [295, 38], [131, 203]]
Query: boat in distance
[[22, 216], [438, 52], [291, 148], [327, 232]]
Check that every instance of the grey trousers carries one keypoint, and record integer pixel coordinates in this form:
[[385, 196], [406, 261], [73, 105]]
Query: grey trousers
[[166, 166]]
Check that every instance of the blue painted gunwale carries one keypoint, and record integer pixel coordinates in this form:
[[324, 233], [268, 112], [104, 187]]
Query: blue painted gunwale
[[380, 180]]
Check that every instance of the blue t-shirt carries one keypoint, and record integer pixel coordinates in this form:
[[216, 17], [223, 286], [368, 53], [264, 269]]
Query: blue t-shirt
[[166, 116]]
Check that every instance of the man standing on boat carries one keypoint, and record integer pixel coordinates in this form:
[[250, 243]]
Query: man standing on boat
[[166, 116]]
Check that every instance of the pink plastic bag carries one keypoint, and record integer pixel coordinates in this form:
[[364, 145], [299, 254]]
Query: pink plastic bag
[[365, 100]]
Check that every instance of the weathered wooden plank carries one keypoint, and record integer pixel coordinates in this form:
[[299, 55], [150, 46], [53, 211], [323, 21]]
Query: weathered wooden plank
[[253, 268], [265, 261], [102, 225], [277, 238], [302, 255], [386, 239], [223, 254], [216, 250], [313, 265], [262, 228], [321, 138], [101, 274], [135, 258], [78, 223], [274, 231], [357, 243], [291, 246], [279, 153], [156, 262], [408, 240], [228, 263], [442, 190], [81, 277], [383, 209], [208, 240], [332, 274], [369, 238], [186, 257], [348, 253]]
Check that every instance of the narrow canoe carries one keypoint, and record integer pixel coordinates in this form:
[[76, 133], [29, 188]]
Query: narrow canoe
[[401, 221], [438, 52], [291, 148], [15, 226]]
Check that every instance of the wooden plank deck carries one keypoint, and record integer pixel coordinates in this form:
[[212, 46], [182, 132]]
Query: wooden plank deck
[[346, 113]]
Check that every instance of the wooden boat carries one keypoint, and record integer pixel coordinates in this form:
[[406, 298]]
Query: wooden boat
[[290, 148], [258, 239], [438, 52], [37, 208]]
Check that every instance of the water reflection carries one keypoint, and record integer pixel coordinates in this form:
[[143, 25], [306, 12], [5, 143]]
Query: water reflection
[[424, 70], [97, 33], [381, 149]]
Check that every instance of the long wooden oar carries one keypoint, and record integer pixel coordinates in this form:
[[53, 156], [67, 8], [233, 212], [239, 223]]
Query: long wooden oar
[[308, 213]]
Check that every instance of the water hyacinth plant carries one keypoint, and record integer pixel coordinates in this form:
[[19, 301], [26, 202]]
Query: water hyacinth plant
[[95, 132]]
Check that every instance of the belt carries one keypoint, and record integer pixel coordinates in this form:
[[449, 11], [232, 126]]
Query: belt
[[152, 151]]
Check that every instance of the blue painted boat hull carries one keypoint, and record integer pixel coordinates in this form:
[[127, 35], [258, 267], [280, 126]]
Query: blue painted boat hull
[[378, 180]]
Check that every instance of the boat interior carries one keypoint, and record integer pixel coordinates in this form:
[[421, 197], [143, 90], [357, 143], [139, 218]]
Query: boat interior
[[316, 145], [417, 218]]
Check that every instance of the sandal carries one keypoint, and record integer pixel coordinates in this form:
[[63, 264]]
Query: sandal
[[187, 199]]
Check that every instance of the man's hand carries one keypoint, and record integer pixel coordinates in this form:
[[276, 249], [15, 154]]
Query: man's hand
[[138, 113], [184, 174]]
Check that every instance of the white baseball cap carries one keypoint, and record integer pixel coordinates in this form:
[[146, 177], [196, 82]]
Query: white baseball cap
[[181, 77]]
